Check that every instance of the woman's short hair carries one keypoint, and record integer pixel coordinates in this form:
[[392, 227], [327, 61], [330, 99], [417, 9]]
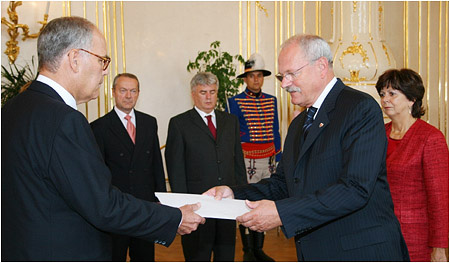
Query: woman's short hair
[[407, 82]]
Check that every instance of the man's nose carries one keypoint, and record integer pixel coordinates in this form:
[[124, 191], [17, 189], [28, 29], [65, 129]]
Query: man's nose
[[285, 83]]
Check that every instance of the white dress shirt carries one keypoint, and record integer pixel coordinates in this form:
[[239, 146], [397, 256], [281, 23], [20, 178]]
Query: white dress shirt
[[65, 95], [122, 115], [323, 95], [204, 114]]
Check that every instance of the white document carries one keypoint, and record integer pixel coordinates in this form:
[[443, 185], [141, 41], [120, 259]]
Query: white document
[[210, 208]]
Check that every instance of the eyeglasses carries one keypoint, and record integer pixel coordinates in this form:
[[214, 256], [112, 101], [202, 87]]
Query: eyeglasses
[[290, 76], [105, 60]]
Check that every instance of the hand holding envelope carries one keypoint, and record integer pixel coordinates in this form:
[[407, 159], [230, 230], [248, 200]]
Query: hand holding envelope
[[263, 216], [211, 208], [217, 202], [190, 220]]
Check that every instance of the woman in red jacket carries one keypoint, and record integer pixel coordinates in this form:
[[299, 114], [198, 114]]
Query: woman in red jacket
[[417, 166]]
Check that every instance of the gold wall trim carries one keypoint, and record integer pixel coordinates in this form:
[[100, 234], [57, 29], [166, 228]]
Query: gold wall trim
[[256, 28], [439, 65], [446, 72], [122, 25], [419, 34], [248, 31], [427, 88], [406, 33]]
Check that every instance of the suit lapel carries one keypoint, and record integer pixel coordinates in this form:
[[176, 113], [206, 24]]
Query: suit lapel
[[141, 136], [220, 124], [197, 120], [321, 121], [119, 131]]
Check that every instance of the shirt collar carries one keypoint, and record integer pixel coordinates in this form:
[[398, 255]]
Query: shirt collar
[[324, 94], [65, 95], [204, 114], [122, 114]]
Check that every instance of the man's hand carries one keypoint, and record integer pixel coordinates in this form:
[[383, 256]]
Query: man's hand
[[220, 192], [190, 220], [263, 217]]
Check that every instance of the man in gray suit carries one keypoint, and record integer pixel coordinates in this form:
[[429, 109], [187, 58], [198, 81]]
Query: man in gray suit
[[203, 149]]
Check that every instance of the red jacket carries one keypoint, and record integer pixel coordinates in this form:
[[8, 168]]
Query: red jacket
[[418, 178]]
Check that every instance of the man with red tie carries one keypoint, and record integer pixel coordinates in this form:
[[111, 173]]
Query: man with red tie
[[128, 141], [203, 149]]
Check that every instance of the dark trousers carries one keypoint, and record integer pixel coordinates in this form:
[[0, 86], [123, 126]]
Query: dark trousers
[[140, 250], [216, 236]]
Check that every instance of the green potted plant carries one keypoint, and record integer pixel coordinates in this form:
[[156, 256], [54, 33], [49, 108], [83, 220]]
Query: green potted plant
[[221, 64], [16, 79]]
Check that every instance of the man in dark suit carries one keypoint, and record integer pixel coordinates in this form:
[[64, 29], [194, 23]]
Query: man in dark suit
[[330, 190], [128, 141], [203, 149], [57, 199]]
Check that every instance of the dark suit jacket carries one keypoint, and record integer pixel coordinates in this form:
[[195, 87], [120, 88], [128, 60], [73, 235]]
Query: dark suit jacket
[[57, 197], [136, 169], [331, 190], [195, 161]]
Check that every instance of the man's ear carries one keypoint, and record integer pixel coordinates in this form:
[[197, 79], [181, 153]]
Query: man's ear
[[74, 59], [323, 66]]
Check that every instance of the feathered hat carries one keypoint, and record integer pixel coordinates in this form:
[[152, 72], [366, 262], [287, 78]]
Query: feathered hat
[[255, 63]]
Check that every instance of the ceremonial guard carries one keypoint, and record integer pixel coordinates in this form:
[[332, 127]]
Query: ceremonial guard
[[260, 138]]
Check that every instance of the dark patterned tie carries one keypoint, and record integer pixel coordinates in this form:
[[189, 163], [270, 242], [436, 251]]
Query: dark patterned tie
[[309, 120], [211, 126]]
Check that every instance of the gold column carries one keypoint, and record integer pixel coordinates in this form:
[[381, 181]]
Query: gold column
[[427, 89], [105, 82], [116, 53], [446, 71], [249, 35], [256, 27], [97, 23], [122, 24], [419, 33], [304, 17], [405, 36], [439, 66], [293, 18]]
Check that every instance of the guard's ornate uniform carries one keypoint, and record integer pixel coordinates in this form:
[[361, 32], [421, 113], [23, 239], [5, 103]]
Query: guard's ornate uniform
[[259, 128]]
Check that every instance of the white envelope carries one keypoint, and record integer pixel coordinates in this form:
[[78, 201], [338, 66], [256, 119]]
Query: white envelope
[[226, 208]]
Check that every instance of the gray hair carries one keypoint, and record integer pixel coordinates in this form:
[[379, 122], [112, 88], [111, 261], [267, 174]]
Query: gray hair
[[126, 75], [61, 35], [314, 47], [204, 79]]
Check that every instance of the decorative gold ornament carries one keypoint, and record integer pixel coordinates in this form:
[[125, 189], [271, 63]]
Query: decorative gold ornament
[[356, 48], [12, 50], [262, 8]]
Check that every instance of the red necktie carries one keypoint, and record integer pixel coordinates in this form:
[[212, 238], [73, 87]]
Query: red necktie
[[130, 128], [211, 126]]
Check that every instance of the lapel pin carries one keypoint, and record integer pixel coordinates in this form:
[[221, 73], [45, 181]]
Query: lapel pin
[[321, 125]]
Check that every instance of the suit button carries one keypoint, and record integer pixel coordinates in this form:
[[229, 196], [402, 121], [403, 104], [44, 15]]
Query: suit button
[[148, 152], [121, 154], [296, 180], [220, 178], [130, 171], [219, 161]]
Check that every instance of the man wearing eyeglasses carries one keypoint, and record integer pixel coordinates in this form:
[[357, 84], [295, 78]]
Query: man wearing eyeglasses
[[58, 203], [128, 141], [330, 190], [260, 137]]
